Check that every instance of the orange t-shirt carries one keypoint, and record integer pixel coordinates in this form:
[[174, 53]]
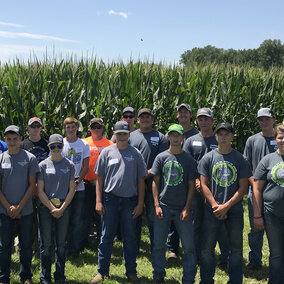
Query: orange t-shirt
[[95, 148]]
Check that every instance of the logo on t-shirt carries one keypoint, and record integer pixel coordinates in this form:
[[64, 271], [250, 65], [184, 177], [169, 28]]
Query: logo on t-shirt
[[23, 163], [224, 173], [74, 155], [278, 174], [173, 173]]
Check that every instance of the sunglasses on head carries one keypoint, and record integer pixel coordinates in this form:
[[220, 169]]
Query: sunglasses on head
[[96, 126], [53, 146], [35, 126], [128, 116]]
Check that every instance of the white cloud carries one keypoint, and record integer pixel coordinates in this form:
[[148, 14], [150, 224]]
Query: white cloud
[[11, 25], [6, 34], [121, 14]]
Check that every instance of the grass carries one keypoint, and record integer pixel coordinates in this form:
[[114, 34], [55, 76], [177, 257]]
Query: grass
[[84, 268]]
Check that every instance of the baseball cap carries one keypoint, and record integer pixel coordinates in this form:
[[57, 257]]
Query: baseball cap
[[12, 128], [177, 128], [96, 120], [55, 138], [265, 112], [205, 112], [145, 110], [34, 119], [184, 105], [128, 109], [121, 127], [224, 125]]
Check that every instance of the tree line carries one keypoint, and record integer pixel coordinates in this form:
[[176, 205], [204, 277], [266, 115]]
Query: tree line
[[270, 53]]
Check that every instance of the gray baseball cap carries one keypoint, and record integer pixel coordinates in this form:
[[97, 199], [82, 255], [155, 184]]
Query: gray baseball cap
[[55, 139], [265, 112], [121, 127], [184, 105], [145, 110], [224, 125], [96, 120], [34, 119], [128, 109], [12, 129], [205, 112]]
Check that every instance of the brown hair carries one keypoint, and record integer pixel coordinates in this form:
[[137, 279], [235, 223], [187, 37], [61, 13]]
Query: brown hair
[[278, 128], [70, 120]]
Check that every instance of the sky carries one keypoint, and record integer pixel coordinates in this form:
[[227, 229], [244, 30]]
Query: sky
[[117, 30]]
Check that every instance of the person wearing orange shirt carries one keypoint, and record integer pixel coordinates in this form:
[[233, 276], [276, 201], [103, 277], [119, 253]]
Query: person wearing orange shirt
[[96, 143]]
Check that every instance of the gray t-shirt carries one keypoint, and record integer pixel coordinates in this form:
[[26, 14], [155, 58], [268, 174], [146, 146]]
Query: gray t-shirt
[[198, 146], [121, 169], [224, 172], [175, 172], [258, 146], [271, 169], [56, 177], [191, 132], [15, 171]]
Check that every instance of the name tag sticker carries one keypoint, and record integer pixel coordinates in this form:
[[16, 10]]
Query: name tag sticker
[[50, 171], [112, 162], [272, 142], [155, 139], [6, 166], [196, 143]]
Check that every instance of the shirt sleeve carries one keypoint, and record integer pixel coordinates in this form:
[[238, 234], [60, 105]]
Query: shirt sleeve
[[87, 152], [33, 166], [156, 167], [40, 175], [245, 170], [100, 165], [203, 166], [164, 143], [142, 168], [261, 171], [72, 170]]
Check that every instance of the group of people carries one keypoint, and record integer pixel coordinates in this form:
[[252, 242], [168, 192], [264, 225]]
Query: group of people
[[190, 182]]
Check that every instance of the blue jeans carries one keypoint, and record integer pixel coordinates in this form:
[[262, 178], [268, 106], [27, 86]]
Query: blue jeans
[[211, 226], [274, 227], [185, 231], [77, 222], [255, 237], [52, 229], [118, 209], [24, 227]]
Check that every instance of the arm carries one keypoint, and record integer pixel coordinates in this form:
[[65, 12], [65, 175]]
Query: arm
[[156, 192], [16, 210], [221, 210], [141, 191], [84, 170], [258, 203], [184, 215], [43, 197], [206, 192], [4, 201], [99, 193]]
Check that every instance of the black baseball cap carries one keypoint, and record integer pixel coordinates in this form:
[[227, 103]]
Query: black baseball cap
[[224, 125]]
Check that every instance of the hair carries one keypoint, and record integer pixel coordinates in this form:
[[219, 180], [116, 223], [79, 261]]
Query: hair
[[70, 120], [278, 128]]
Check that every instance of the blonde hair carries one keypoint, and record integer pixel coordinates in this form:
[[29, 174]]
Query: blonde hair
[[278, 128], [70, 120]]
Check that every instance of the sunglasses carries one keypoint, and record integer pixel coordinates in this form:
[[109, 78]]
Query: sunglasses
[[35, 126], [96, 126], [53, 146], [128, 116]]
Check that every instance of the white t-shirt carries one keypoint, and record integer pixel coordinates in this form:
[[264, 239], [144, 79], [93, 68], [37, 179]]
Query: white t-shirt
[[76, 152]]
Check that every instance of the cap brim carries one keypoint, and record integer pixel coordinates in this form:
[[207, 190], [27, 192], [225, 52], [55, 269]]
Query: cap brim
[[121, 131]]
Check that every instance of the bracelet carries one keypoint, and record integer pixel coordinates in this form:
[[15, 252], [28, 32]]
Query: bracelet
[[257, 217]]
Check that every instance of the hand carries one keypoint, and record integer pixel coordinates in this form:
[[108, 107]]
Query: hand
[[159, 212], [220, 211], [258, 223], [137, 211], [14, 212], [100, 208], [56, 213], [197, 185], [184, 215]]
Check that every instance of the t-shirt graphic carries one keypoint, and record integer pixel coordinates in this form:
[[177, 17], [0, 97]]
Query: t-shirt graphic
[[173, 173], [74, 155], [224, 173], [277, 174]]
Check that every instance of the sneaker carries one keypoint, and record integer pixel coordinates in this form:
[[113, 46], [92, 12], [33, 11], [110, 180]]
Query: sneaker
[[132, 278], [97, 279], [251, 266], [28, 281], [172, 255]]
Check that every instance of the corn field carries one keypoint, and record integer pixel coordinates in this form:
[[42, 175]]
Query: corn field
[[54, 90]]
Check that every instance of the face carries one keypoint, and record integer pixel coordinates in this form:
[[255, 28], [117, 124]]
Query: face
[[224, 137], [96, 129], [145, 120], [34, 129], [205, 122], [13, 140], [56, 148], [280, 141], [129, 117], [266, 123], [183, 115], [175, 138], [71, 129], [122, 137]]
